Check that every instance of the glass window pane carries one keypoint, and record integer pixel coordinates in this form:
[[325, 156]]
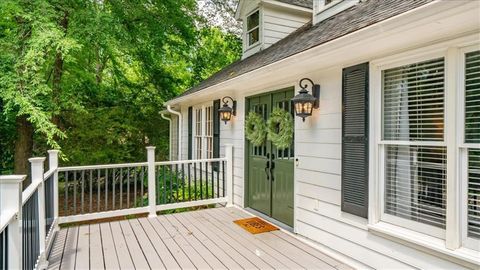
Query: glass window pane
[[472, 97], [413, 102], [253, 37], [253, 20], [474, 193], [415, 179]]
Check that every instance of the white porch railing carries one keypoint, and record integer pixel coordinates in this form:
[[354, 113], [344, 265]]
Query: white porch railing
[[29, 219]]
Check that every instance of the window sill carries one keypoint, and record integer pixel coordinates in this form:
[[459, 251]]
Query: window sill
[[430, 244]]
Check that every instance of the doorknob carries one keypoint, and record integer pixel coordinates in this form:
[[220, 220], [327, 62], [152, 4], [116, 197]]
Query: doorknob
[[272, 166], [267, 171]]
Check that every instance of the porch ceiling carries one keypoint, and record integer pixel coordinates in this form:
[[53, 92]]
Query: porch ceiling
[[205, 239]]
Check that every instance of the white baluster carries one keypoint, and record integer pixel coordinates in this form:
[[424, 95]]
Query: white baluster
[[152, 205]]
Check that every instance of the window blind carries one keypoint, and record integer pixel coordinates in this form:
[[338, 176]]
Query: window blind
[[474, 193], [415, 183], [413, 100], [472, 97], [472, 135]]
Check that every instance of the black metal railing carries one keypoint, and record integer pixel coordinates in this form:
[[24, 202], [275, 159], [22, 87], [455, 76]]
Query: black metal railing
[[189, 181], [30, 235], [99, 188], [49, 206], [4, 249]]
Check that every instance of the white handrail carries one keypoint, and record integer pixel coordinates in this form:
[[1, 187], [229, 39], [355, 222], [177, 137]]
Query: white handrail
[[7, 217], [48, 174], [104, 166], [190, 161], [28, 192]]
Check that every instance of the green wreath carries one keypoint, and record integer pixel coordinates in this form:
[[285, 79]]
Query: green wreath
[[255, 129], [280, 128]]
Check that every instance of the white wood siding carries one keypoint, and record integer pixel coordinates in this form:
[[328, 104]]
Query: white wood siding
[[278, 23]]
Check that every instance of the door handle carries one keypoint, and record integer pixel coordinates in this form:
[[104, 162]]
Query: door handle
[[272, 167], [267, 170], [271, 170]]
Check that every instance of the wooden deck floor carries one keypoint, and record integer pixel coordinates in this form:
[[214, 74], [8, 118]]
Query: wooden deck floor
[[206, 239]]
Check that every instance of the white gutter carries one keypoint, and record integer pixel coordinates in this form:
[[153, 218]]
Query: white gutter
[[180, 124]]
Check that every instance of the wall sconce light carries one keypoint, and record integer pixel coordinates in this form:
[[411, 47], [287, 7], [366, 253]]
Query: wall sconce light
[[226, 111], [304, 103]]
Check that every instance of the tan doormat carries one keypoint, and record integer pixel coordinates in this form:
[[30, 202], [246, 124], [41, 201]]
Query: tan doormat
[[255, 225]]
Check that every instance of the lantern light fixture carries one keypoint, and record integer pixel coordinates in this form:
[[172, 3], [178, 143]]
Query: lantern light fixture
[[226, 111], [303, 102]]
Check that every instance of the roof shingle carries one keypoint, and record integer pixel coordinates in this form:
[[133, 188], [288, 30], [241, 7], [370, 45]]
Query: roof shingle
[[363, 14], [300, 3]]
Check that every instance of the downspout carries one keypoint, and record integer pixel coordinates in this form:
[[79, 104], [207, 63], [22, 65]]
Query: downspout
[[169, 135], [180, 134]]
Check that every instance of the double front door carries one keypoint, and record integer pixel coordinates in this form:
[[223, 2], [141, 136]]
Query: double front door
[[270, 170]]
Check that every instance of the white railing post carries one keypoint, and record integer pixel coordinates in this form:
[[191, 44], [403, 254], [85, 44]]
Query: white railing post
[[11, 201], [152, 205], [37, 177], [229, 173], [53, 165]]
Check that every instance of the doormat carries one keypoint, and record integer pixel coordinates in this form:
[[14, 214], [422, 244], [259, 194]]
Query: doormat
[[255, 225]]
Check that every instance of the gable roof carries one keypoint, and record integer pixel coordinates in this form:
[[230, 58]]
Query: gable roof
[[364, 14], [300, 3]]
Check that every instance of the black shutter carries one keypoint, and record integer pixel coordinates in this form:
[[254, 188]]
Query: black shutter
[[190, 130], [355, 140], [216, 132]]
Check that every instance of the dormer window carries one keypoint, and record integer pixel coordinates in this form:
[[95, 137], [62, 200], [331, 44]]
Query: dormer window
[[253, 28]]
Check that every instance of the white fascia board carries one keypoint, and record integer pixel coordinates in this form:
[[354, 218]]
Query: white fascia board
[[352, 47]]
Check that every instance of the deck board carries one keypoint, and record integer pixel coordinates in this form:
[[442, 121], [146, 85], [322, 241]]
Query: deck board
[[204, 239], [96, 252], [248, 241], [148, 250], [108, 247], [136, 252], [124, 257], [306, 260], [220, 242], [82, 261]]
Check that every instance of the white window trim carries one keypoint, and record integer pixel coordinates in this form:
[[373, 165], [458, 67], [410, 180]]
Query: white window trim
[[463, 147], [246, 31], [454, 243], [391, 219]]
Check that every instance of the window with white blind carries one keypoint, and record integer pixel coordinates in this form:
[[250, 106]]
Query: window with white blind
[[203, 135], [413, 101], [426, 157], [198, 133], [209, 131], [472, 140]]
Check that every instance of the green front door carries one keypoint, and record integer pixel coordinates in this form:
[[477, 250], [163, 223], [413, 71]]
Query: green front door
[[270, 170]]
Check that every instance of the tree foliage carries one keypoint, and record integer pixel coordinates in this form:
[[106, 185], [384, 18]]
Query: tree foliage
[[91, 76]]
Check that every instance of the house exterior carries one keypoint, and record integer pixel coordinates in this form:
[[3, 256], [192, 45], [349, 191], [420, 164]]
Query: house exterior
[[386, 172]]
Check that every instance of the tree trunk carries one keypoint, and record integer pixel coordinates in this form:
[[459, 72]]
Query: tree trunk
[[57, 76], [23, 147]]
